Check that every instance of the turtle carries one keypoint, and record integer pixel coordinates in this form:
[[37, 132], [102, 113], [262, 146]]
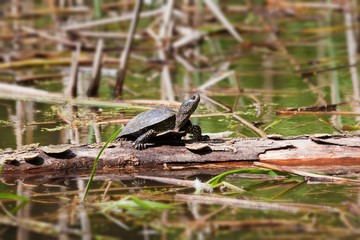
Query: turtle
[[162, 121]]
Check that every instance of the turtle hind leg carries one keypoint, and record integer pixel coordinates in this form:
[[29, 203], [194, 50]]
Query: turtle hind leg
[[195, 130], [140, 142]]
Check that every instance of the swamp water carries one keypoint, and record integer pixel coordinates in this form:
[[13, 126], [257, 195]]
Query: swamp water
[[255, 203], [122, 207]]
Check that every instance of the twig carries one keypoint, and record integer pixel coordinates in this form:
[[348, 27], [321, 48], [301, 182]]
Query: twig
[[45, 77], [318, 5], [20, 91], [215, 80], [250, 126], [185, 63], [125, 54], [240, 203], [116, 221], [178, 182], [118, 121], [221, 17], [190, 36], [74, 70], [107, 35], [48, 36], [96, 71], [97, 132], [308, 176], [8, 91], [103, 197], [289, 112], [124, 17], [166, 83], [352, 50], [63, 117], [354, 208], [246, 224], [41, 62], [214, 102]]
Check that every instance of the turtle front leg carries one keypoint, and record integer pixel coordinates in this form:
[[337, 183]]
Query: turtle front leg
[[195, 130], [140, 142]]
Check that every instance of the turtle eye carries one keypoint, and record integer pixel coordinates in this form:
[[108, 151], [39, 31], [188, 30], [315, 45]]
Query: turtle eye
[[193, 97]]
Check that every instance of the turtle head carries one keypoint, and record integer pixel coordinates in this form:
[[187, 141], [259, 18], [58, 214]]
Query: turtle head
[[186, 109]]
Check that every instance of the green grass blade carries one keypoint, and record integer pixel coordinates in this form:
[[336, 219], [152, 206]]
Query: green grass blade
[[150, 205], [218, 178], [96, 162], [18, 207], [97, 9], [15, 197]]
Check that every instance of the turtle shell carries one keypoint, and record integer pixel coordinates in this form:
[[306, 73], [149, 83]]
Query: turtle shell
[[159, 119]]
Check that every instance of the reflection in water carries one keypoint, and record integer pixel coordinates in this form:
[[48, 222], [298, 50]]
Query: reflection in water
[[55, 210], [25, 212], [63, 215], [82, 213], [24, 115], [18, 120]]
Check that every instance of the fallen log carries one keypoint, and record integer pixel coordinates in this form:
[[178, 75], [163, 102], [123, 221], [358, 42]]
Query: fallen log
[[312, 150]]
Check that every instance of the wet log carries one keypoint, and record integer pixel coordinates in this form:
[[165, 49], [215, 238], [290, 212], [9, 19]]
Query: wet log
[[318, 151]]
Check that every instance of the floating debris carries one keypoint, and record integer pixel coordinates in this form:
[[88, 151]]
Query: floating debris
[[9, 159], [198, 147], [19, 157], [56, 149], [30, 156]]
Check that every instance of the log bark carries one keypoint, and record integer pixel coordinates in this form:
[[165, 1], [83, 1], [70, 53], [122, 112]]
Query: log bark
[[314, 150]]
